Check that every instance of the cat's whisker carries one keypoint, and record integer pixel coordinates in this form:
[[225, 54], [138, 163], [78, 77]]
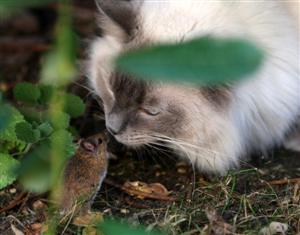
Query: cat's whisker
[[183, 143], [189, 149], [99, 117], [83, 86]]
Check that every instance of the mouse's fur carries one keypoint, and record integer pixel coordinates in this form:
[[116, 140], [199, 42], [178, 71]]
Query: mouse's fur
[[214, 128], [83, 175]]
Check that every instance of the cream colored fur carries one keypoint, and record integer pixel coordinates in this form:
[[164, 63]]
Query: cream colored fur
[[263, 108]]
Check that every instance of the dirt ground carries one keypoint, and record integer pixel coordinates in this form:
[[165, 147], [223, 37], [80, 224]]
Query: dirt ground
[[245, 200]]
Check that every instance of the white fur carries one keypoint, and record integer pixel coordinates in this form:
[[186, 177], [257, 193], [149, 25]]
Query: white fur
[[263, 108]]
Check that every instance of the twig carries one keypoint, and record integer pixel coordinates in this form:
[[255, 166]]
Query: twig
[[20, 199], [285, 181]]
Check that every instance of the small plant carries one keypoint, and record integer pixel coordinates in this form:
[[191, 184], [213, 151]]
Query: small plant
[[28, 129]]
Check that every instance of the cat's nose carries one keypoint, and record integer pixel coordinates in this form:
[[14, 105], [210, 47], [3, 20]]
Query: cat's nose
[[112, 131], [114, 124]]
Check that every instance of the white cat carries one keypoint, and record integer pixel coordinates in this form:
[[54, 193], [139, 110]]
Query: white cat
[[213, 127]]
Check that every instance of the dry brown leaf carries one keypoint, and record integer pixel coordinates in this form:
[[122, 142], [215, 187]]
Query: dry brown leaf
[[88, 219], [38, 205], [143, 190]]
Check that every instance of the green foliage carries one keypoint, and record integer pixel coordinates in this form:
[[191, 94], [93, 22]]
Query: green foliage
[[66, 139], [35, 127], [110, 227], [47, 92], [205, 61], [27, 92], [5, 116], [59, 66], [8, 134], [27, 133], [46, 129], [7, 167], [34, 171], [62, 120], [74, 105]]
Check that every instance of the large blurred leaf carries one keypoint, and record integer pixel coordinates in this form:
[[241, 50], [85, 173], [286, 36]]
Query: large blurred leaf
[[206, 60], [35, 169], [74, 105], [7, 167], [63, 139], [115, 228], [60, 64]]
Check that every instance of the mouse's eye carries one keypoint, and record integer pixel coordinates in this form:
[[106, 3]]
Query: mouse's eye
[[152, 111]]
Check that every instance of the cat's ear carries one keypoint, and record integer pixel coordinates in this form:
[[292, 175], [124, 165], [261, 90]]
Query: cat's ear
[[118, 16]]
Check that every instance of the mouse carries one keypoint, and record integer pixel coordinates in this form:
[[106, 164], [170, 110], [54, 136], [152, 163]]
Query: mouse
[[84, 174]]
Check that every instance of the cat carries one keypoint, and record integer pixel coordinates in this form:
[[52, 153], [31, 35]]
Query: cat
[[215, 128]]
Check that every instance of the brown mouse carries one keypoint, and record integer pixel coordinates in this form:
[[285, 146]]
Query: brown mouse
[[84, 174]]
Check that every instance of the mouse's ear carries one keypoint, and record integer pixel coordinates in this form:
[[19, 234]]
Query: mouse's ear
[[120, 14], [90, 144]]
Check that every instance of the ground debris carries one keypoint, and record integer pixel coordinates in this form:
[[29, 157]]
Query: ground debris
[[143, 190], [87, 219], [217, 225], [274, 228]]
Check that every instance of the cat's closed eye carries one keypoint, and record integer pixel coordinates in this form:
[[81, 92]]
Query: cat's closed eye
[[151, 111]]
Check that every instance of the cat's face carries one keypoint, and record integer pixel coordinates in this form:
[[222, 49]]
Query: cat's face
[[139, 113], [142, 113]]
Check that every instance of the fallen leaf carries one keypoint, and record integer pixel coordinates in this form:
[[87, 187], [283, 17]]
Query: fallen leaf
[[143, 190], [38, 205], [36, 226], [88, 219]]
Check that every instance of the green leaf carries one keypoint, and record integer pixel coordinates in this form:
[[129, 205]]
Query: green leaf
[[35, 169], [60, 64], [115, 228], [5, 116], [47, 92], [74, 105], [27, 92], [62, 120], [205, 61], [63, 137], [7, 170], [8, 133], [26, 133], [45, 128]]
